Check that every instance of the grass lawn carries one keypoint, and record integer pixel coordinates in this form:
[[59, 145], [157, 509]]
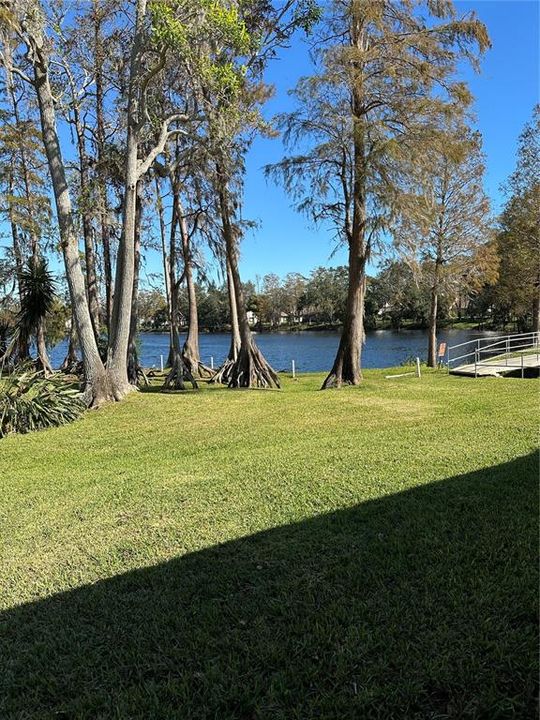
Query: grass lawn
[[258, 555]]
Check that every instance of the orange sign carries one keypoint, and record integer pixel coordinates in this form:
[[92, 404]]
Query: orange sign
[[442, 349]]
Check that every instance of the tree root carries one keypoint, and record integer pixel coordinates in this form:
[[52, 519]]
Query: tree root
[[336, 379], [252, 370], [223, 375], [196, 368], [178, 372]]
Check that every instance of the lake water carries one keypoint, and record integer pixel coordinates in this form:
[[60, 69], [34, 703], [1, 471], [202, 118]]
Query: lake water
[[311, 351]]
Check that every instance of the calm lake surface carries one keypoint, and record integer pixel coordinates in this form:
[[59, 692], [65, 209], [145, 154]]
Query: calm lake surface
[[311, 351]]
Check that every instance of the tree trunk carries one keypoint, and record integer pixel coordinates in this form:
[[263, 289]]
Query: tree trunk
[[43, 357], [347, 364], [23, 352], [89, 251], [98, 388], [223, 374], [190, 350], [135, 371], [125, 263], [100, 144], [166, 267], [250, 369], [432, 333], [178, 371], [71, 361], [432, 337], [234, 348]]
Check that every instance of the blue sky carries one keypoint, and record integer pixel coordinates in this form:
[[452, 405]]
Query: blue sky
[[505, 92]]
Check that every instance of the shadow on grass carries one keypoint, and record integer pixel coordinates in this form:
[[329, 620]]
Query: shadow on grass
[[417, 605]]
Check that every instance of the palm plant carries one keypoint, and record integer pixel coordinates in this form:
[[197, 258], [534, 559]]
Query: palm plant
[[38, 293], [29, 401]]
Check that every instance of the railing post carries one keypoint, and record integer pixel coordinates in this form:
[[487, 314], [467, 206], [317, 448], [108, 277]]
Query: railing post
[[448, 358], [507, 350], [522, 368], [476, 363]]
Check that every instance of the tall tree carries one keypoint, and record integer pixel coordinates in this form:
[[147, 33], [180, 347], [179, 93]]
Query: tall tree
[[27, 23], [444, 230], [519, 237], [386, 75]]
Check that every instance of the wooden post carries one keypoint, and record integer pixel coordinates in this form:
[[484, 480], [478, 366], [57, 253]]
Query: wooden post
[[418, 373]]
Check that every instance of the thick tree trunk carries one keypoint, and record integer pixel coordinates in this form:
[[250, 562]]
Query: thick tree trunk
[[98, 388], [250, 369], [346, 369], [347, 364]]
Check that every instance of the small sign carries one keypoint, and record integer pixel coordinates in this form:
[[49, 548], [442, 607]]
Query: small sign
[[442, 350]]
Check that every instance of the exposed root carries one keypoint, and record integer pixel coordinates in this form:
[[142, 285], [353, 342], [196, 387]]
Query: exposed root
[[223, 375], [336, 380], [177, 374], [196, 368], [252, 370]]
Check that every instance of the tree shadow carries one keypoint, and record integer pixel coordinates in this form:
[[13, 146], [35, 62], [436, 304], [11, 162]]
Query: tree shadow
[[417, 605]]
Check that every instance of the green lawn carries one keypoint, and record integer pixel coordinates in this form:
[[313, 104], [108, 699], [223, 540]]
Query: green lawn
[[255, 555]]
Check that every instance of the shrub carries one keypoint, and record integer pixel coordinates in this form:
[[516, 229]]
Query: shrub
[[29, 401]]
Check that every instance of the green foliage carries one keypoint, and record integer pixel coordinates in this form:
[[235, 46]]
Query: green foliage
[[208, 36], [29, 402], [518, 289], [38, 295]]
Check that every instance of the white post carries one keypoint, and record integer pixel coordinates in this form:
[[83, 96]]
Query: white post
[[161, 362], [293, 371], [211, 362], [418, 373]]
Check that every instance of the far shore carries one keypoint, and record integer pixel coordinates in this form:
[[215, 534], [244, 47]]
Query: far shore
[[302, 328]]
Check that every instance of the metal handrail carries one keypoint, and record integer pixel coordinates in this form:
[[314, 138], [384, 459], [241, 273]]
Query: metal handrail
[[529, 341], [522, 336], [496, 337]]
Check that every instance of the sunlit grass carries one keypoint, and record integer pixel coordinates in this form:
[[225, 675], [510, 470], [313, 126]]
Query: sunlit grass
[[161, 477]]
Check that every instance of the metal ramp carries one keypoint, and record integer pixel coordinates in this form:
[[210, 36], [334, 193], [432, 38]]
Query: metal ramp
[[495, 356]]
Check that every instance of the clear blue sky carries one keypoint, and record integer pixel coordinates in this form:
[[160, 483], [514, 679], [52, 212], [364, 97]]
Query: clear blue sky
[[506, 90]]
